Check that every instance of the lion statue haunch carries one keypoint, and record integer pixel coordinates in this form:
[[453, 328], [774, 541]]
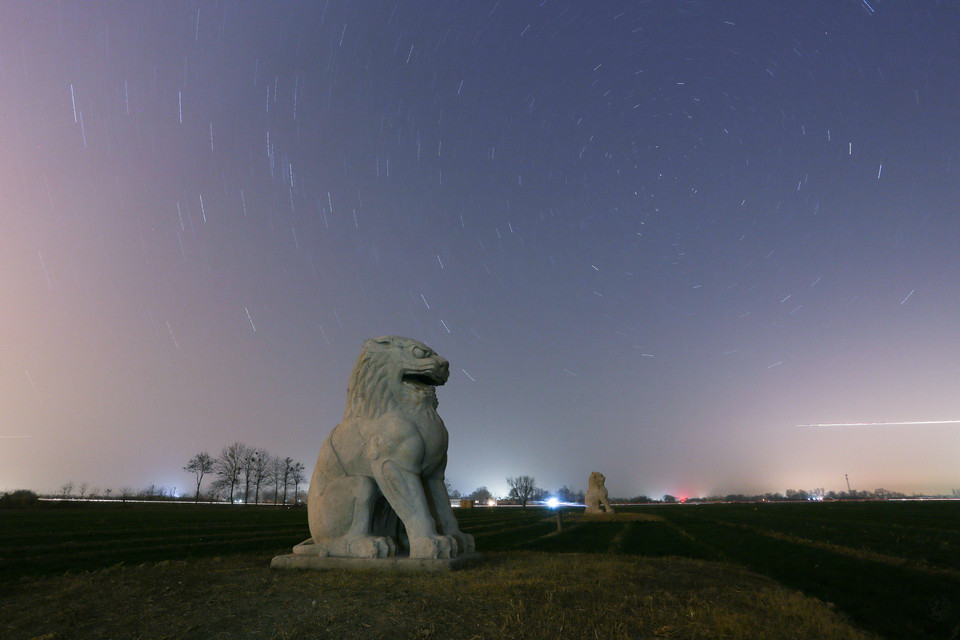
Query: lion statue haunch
[[383, 465], [597, 494]]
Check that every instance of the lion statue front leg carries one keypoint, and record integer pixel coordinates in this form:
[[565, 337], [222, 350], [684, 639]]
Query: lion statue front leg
[[404, 490], [344, 530], [341, 526], [446, 521]]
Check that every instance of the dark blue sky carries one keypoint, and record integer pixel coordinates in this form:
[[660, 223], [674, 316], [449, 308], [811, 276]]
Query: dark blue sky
[[651, 238]]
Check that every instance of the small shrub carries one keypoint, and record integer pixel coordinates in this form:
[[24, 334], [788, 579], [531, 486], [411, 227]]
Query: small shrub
[[19, 498]]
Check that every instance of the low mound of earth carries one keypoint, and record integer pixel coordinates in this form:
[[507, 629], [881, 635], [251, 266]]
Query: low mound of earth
[[511, 595]]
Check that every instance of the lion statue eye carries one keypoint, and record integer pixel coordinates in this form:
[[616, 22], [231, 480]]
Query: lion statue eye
[[419, 353]]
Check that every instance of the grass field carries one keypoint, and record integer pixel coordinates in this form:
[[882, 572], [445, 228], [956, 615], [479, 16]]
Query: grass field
[[829, 570], [84, 536]]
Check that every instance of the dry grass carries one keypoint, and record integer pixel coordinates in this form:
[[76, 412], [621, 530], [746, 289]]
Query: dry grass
[[511, 595]]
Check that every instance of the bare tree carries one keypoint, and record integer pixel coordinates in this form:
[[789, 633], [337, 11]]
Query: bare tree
[[566, 494], [451, 492], [82, 489], [229, 465], [66, 489], [199, 465], [481, 494], [219, 488], [276, 475], [287, 468], [253, 471], [150, 493], [261, 465], [247, 469], [523, 489], [296, 477]]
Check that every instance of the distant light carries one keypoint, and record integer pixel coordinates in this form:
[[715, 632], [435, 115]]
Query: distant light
[[491, 502], [553, 503]]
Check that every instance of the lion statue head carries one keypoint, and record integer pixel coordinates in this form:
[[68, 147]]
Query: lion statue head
[[393, 370], [597, 481]]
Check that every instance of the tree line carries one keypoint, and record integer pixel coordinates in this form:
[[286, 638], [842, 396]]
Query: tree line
[[249, 475], [244, 474], [524, 489], [241, 474]]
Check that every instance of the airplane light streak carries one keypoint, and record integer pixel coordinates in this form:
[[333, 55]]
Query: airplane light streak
[[878, 424]]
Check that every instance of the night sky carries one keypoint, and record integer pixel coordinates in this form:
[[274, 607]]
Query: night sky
[[653, 239]]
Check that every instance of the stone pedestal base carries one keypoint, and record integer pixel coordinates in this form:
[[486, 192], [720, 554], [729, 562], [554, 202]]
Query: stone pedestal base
[[395, 563]]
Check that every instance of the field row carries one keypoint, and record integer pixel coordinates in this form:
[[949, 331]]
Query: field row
[[894, 568], [90, 536]]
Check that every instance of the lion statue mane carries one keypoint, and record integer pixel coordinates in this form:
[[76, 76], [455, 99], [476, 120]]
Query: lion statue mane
[[597, 494], [378, 487]]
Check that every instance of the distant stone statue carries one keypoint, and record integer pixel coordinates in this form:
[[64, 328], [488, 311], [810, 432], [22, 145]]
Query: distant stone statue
[[378, 488], [597, 494]]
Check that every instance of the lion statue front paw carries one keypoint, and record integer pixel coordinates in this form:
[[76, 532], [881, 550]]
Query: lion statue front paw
[[372, 547], [465, 542], [434, 547]]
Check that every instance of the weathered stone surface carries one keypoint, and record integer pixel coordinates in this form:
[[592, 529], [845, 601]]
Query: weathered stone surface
[[597, 494], [378, 488], [393, 563]]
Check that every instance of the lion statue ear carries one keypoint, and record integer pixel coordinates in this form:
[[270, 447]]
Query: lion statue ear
[[384, 340]]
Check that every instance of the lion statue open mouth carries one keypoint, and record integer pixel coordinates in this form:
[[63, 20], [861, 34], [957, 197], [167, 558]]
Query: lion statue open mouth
[[378, 487]]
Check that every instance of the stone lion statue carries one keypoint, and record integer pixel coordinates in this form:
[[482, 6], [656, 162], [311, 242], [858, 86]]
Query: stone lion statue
[[597, 494], [378, 487]]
